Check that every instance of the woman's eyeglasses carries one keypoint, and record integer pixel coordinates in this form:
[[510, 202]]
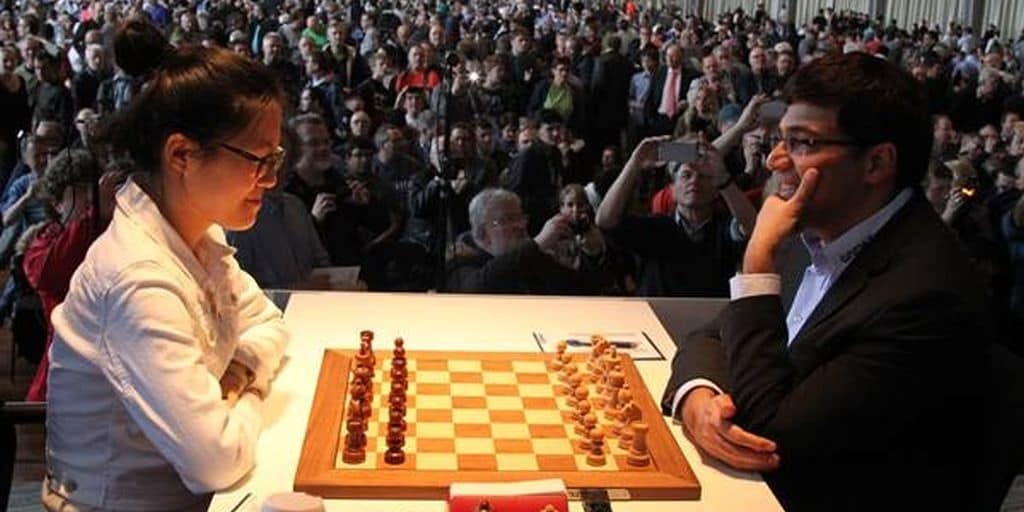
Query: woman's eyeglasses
[[264, 164]]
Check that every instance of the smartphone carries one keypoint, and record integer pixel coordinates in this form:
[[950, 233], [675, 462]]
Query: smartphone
[[772, 111], [681, 152]]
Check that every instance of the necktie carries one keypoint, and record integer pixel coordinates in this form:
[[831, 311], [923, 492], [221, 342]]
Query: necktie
[[670, 96]]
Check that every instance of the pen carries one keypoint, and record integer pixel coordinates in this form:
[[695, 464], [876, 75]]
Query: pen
[[244, 499]]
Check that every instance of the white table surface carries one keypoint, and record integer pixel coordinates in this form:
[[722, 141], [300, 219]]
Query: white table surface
[[320, 320]]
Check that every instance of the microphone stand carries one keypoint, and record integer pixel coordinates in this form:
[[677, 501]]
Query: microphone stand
[[441, 223]]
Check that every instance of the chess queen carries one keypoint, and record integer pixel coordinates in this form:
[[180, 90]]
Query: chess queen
[[164, 348]]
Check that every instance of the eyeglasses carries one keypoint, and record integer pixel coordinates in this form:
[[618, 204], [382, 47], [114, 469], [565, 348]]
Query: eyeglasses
[[509, 220], [806, 145], [264, 164]]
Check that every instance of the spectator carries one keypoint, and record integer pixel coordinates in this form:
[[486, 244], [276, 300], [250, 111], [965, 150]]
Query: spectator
[[497, 256], [55, 250], [283, 246], [692, 252], [14, 103]]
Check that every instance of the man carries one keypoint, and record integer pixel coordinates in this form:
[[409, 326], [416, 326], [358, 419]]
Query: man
[[666, 101], [350, 67], [715, 79], [609, 88], [417, 74], [843, 380], [689, 253], [759, 80], [497, 255], [639, 89], [86, 84], [275, 58], [315, 178], [535, 171]]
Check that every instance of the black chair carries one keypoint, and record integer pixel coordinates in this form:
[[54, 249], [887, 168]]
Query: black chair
[[11, 414], [1003, 413]]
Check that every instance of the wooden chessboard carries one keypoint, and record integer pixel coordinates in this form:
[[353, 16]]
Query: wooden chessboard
[[479, 417]]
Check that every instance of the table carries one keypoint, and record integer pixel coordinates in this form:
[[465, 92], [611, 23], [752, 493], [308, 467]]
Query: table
[[320, 320]]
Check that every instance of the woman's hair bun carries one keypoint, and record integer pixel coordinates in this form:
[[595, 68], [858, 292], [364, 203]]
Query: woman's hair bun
[[140, 48]]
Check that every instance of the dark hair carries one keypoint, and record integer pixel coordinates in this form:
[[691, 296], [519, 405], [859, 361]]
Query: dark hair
[[139, 47], [878, 102], [359, 143], [206, 94], [68, 168], [548, 116]]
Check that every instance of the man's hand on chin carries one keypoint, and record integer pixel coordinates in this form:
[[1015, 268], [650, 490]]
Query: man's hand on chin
[[777, 219], [707, 422]]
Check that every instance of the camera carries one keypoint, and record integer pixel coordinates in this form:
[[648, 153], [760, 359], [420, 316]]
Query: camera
[[681, 152], [580, 226]]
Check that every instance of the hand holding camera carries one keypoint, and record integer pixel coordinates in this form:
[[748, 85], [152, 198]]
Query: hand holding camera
[[557, 228]]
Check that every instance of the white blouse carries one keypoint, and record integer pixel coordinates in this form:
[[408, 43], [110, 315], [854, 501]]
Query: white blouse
[[135, 418]]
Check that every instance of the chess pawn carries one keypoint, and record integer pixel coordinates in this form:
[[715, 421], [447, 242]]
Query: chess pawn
[[639, 455], [578, 395], [355, 443], [582, 409], [396, 417], [589, 424], [395, 440], [558, 363], [575, 381], [398, 389], [567, 371], [596, 457], [396, 402], [566, 358], [399, 352], [561, 347], [399, 371]]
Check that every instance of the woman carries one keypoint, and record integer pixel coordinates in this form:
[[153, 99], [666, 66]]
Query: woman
[[59, 246], [561, 95], [163, 349]]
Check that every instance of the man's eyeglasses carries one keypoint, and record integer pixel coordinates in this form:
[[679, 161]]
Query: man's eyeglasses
[[509, 220], [264, 164], [806, 145]]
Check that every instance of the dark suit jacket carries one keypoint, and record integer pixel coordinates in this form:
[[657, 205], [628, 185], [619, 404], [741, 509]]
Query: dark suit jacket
[[873, 405], [651, 115], [609, 88]]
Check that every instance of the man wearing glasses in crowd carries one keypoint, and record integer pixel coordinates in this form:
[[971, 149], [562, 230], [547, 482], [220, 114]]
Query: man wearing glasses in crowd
[[844, 379]]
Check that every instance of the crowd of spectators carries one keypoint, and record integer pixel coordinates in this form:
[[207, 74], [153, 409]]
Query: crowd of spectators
[[496, 146]]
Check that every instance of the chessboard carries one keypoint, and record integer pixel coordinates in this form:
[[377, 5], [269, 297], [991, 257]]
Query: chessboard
[[405, 425]]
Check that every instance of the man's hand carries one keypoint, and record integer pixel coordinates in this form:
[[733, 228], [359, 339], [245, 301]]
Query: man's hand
[[954, 204], [322, 205], [751, 113], [645, 155], [777, 219], [555, 229], [707, 421]]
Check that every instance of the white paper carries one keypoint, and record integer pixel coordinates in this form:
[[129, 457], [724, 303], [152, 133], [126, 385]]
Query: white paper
[[635, 343]]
